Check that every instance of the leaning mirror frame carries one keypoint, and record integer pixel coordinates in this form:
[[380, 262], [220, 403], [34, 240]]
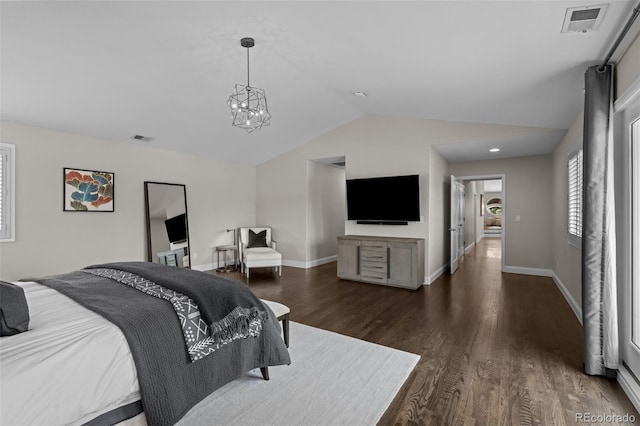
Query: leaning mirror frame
[[167, 220]]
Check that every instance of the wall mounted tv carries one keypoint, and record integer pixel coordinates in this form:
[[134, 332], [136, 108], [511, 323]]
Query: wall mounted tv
[[393, 200], [177, 228]]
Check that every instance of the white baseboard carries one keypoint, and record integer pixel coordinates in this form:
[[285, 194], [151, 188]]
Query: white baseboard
[[322, 261], [469, 247], [577, 309], [627, 381], [431, 278], [479, 238], [294, 263], [205, 267], [285, 262], [528, 271], [629, 385], [310, 264]]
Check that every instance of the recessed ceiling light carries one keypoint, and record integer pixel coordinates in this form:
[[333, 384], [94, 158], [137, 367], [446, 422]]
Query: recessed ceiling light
[[360, 94], [494, 150]]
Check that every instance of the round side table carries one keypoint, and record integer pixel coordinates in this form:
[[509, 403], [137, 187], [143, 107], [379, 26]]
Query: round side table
[[223, 250]]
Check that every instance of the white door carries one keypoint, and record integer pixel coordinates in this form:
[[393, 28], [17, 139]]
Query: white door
[[461, 219], [629, 247], [456, 223]]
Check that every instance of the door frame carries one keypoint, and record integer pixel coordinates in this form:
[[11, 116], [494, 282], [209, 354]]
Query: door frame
[[626, 111], [505, 206]]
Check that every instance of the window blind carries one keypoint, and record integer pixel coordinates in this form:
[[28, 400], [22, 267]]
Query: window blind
[[7, 161], [574, 193], [3, 173]]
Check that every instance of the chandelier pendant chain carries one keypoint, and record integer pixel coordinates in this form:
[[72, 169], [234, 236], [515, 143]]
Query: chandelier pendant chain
[[248, 85]]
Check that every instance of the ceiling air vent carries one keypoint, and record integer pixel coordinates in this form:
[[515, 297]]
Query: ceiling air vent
[[141, 138], [583, 19]]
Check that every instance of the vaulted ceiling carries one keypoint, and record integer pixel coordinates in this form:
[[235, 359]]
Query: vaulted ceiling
[[165, 69]]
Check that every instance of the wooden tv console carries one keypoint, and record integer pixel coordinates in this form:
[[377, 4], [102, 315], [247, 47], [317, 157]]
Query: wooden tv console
[[397, 262]]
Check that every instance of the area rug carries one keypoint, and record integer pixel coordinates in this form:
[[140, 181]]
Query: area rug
[[332, 380]]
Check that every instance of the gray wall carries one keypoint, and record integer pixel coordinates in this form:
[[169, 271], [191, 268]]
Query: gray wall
[[474, 228], [439, 215], [528, 185], [220, 195], [326, 210], [567, 258], [480, 216]]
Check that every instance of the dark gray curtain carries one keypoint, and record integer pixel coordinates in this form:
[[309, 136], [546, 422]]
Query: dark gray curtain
[[599, 301]]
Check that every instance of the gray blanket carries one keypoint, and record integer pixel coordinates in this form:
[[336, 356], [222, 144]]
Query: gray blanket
[[170, 384]]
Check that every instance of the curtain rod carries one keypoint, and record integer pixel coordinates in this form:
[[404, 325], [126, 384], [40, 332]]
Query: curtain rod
[[623, 33]]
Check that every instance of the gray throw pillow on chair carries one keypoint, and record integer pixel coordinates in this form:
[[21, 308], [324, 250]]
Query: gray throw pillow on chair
[[257, 240]]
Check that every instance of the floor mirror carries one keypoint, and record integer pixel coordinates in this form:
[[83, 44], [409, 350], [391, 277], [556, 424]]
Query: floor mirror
[[167, 224]]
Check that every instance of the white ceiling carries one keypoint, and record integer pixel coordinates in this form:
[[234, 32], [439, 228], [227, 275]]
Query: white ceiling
[[165, 69]]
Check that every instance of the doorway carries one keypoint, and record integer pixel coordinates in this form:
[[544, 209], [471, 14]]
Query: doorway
[[326, 208], [479, 215]]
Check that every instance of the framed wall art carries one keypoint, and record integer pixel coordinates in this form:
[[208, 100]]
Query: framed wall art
[[87, 191]]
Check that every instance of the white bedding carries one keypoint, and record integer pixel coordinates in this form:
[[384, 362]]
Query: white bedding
[[70, 366]]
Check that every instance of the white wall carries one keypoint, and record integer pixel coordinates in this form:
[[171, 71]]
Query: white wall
[[159, 238], [373, 146], [528, 183], [326, 211], [220, 195]]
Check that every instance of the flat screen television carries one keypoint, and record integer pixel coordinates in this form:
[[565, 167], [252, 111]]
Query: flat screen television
[[177, 228], [392, 200]]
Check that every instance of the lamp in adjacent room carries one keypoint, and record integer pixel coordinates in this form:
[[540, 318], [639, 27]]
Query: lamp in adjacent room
[[248, 104]]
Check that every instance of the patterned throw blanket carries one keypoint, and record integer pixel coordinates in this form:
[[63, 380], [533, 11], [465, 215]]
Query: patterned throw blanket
[[170, 382], [199, 340]]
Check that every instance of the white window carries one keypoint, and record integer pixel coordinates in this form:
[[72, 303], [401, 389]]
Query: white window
[[7, 192], [574, 196]]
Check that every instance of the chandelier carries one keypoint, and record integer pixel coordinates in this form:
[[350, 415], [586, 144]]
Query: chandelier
[[248, 104]]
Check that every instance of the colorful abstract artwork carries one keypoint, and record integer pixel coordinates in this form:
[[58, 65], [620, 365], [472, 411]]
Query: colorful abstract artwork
[[88, 191]]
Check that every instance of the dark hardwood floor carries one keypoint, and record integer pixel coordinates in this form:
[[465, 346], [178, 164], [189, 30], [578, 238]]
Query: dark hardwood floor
[[496, 349]]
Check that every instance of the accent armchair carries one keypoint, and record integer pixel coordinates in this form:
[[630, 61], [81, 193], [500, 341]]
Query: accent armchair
[[258, 250]]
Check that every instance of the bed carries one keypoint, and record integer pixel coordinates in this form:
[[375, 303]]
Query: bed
[[73, 366]]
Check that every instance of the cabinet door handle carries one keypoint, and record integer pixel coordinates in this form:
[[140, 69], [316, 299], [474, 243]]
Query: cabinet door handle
[[388, 262], [358, 261]]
